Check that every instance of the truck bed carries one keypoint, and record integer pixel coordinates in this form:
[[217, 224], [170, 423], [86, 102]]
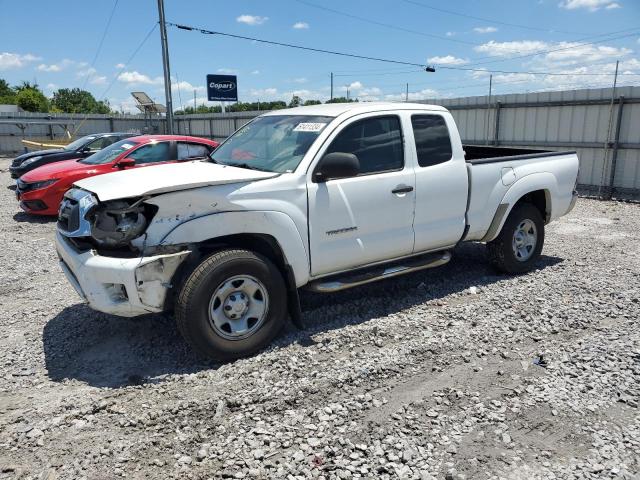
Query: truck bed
[[478, 154]]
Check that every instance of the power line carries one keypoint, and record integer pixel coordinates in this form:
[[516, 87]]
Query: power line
[[382, 24], [95, 57], [489, 20], [353, 55]]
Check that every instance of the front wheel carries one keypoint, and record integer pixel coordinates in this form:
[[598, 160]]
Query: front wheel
[[232, 305], [517, 248]]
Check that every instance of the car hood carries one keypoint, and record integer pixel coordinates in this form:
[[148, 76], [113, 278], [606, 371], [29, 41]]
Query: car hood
[[52, 170], [37, 153], [166, 178]]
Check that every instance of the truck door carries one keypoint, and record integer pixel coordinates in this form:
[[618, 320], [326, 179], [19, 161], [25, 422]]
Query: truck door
[[441, 182], [367, 218]]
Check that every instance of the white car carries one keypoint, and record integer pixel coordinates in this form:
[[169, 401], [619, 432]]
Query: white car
[[324, 197]]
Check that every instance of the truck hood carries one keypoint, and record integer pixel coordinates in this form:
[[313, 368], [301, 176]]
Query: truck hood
[[151, 180]]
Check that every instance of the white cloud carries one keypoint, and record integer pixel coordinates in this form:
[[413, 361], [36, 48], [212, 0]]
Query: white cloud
[[86, 72], [16, 60], [450, 34], [120, 65], [265, 93], [187, 87], [485, 29], [352, 86], [447, 60], [251, 19], [99, 80], [52, 86], [420, 95], [49, 68], [580, 53], [227, 71], [502, 49], [299, 80], [591, 5], [301, 25], [135, 77], [255, 72]]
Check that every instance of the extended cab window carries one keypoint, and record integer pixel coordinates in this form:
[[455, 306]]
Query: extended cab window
[[151, 153], [432, 139], [187, 151], [377, 142]]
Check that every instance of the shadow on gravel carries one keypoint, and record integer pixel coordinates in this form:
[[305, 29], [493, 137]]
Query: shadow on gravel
[[29, 218], [107, 351], [12, 187]]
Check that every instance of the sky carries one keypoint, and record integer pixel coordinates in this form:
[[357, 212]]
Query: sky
[[112, 47]]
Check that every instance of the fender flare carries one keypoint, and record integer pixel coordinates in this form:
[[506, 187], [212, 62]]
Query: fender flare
[[275, 224], [530, 183]]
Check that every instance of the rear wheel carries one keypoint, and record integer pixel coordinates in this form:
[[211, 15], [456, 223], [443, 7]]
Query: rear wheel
[[232, 305], [517, 248]]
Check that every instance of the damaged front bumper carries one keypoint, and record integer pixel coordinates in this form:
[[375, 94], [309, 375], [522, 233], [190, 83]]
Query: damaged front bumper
[[119, 286]]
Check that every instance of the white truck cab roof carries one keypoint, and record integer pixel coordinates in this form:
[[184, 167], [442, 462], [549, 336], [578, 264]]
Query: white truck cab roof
[[354, 108]]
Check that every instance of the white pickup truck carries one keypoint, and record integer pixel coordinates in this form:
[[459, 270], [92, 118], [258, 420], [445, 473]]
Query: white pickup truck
[[324, 197]]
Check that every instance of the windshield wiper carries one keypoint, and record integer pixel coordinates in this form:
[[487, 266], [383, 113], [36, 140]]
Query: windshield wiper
[[250, 167]]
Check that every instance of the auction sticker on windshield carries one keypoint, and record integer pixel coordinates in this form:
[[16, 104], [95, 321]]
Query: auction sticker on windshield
[[309, 127]]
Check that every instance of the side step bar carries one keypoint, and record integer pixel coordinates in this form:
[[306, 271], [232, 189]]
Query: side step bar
[[379, 272]]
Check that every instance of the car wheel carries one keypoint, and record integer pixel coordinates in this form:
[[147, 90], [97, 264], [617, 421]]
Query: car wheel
[[233, 304], [517, 248]]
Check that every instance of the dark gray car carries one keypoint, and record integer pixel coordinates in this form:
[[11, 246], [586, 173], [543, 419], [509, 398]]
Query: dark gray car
[[80, 148]]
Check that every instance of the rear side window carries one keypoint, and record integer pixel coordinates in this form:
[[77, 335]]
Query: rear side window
[[377, 142], [187, 151], [432, 139]]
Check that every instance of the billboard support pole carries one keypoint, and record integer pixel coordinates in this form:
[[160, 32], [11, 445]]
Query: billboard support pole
[[165, 66]]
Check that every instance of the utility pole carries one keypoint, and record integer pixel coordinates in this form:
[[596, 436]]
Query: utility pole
[[605, 164], [347, 93], [165, 65], [194, 101], [406, 93], [486, 142], [331, 85]]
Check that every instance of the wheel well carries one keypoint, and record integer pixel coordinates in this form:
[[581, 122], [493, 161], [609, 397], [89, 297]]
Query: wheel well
[[263, 244], [539, 199]]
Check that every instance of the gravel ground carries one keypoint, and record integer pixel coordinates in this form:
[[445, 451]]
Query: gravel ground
[[451, 373]]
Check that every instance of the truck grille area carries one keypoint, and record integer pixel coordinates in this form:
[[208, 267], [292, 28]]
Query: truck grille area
[[69, 215]]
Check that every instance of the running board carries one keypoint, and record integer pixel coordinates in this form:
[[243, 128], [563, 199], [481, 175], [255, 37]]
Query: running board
[[378, 272]]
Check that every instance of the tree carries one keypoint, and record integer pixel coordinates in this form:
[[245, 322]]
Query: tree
[[341, 100], [76, 100], [296, 101], [7, 94], [32, 100], [312, 102]]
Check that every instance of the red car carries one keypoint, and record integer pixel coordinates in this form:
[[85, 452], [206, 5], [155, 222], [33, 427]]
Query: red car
[[40, 191]]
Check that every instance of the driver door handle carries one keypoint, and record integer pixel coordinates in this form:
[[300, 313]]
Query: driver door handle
[[402, 189]]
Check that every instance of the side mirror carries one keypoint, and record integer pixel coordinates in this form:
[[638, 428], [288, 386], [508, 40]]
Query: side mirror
[[126, 163], [86, 150], [336, 165]]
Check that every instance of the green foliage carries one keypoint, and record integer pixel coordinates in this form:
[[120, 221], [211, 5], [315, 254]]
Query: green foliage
[[76, 100], [31, 99], [234, 107], [296, 101], [341, 100], [312, 102]]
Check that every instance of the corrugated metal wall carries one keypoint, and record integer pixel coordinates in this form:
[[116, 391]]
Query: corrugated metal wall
[[575, 120]]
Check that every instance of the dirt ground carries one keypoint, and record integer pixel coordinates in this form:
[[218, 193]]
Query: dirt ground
[[451, 373]]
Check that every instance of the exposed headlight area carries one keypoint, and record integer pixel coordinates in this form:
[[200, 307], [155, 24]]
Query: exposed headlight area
[[110, 225], [116, 223]]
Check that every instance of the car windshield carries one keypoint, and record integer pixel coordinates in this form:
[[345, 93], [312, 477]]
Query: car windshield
[[273, 143], [76, 144], [108, 154]]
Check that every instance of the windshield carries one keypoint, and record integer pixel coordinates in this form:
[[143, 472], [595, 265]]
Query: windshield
[[273, 143], [76, 144], [108, 154]]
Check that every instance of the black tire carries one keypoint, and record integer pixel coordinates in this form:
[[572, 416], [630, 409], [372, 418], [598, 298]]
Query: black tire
[[501, 252], [192, 304]]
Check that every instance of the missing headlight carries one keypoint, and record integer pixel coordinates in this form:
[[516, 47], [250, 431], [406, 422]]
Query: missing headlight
[[116, 223]]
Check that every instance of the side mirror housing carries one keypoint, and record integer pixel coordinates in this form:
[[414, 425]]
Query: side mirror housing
[[336, 165], [126, 163]]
